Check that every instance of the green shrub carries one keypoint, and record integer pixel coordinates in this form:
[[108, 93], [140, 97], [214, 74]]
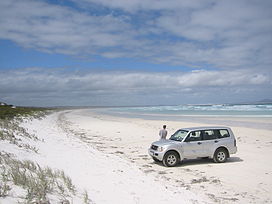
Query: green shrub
[[7, 112]]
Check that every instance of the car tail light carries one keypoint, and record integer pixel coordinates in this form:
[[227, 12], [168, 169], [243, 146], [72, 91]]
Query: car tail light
[[234, 142]]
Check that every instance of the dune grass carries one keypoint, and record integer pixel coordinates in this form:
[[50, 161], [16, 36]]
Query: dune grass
[[11, 131], [39, 184]]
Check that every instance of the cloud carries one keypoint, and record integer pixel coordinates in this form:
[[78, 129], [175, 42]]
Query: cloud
[[225, 34], [147, 5], [57, 29], [222, 79], [220, 34], [34, 86]]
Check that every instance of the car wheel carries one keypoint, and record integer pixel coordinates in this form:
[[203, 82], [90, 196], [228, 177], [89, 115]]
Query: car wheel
[[220, 155], [170, 159]]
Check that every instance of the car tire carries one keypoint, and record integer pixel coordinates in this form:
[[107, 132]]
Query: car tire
[[220, 155], [170, 159]]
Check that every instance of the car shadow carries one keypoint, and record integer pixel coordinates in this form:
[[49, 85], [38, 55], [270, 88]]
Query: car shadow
[[235, 159], [202, 161]]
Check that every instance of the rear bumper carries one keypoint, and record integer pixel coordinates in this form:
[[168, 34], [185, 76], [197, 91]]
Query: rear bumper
[[233, 150]]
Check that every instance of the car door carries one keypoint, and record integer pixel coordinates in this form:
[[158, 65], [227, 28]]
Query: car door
[[209, 141], [192, 146]]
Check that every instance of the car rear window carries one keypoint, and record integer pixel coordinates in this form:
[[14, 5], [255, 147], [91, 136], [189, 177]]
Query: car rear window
[[223, 133]]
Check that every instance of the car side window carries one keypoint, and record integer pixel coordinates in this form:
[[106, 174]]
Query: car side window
[[194, 136], [209, 134], [223, 133]]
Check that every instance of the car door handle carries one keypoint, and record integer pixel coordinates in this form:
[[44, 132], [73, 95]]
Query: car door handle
[[199, 143], [215, 141]]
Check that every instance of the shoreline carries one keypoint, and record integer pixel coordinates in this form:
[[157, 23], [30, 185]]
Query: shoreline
[[253, 121]]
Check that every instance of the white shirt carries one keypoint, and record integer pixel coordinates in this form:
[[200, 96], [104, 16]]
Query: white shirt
[[163, 133]]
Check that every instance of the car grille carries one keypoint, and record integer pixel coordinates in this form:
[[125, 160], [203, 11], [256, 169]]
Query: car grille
[[154, 147]]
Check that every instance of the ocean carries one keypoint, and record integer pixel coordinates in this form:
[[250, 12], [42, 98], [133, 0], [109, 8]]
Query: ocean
[[233, 110], [247, 115]]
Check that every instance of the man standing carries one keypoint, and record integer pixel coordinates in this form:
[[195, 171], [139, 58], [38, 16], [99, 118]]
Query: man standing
[[163, 133]]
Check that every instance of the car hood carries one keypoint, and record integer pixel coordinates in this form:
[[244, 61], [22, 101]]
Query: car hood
[[164, 142]]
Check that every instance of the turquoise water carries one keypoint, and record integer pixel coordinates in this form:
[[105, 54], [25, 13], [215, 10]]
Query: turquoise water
[[252, 116], [256, 110]]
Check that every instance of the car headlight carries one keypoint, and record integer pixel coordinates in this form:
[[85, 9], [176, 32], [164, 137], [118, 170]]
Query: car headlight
[[160, 149]]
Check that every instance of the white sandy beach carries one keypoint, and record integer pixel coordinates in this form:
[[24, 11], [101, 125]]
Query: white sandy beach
[[107, 157]]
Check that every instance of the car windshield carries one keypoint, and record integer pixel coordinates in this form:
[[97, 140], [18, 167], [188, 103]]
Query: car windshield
[[179, 135]]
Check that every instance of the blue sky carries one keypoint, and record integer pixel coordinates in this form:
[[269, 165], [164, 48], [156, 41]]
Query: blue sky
[[119, 52], [34, 58]]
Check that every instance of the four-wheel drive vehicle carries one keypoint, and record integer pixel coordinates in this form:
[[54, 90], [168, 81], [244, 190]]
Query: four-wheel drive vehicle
[[189, 143]]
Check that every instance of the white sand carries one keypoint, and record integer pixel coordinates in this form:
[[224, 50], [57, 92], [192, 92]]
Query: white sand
[[107, 157], [107, 178], [245, 178]]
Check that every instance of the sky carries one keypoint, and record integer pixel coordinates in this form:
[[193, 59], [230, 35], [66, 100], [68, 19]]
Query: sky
[[135, 52]]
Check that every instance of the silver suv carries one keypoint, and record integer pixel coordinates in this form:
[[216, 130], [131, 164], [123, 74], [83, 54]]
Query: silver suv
[[189, 143]]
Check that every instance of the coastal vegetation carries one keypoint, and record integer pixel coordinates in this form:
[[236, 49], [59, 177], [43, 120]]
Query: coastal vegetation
[[39, 184], [11, 112], [27, 181], [12, 131]]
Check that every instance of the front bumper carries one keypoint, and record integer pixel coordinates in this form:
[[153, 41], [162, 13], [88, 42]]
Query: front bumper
[[156, 154]]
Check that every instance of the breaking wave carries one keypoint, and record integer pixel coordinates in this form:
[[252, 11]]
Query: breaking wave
[[219, 109]]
